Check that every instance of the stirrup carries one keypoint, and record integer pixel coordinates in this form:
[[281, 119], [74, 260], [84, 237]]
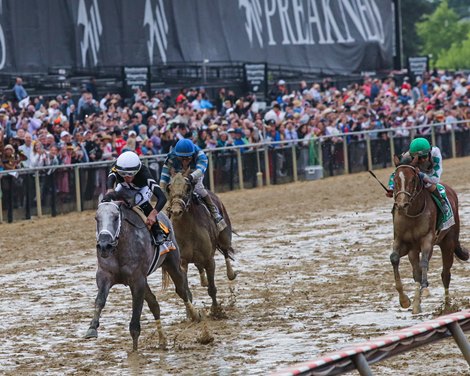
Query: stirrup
[[159, 238], [221, 224]]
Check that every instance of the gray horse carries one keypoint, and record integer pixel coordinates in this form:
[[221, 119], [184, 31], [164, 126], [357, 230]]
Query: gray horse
[[197, 234], [126, 256]]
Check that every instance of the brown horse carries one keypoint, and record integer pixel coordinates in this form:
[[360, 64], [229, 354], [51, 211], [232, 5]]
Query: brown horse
[[414, 233], [197, 234]]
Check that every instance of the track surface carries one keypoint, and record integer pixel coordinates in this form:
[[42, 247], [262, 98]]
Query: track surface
[[314, 275]]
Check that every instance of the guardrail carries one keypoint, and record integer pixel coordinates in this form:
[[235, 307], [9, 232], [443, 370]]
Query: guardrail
[[359, 356], [66, 188]]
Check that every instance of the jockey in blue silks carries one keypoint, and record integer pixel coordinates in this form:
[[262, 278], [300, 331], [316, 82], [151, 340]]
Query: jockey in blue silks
[[185, 154]]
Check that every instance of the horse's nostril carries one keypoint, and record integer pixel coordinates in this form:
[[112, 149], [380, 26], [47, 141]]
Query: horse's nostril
[[109, 247]]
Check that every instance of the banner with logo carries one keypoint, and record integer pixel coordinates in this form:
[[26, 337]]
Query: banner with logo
[[340, 36]]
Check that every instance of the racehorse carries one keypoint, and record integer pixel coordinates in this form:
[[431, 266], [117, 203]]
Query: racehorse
[[126, 255], [415, 234], [197, 234]]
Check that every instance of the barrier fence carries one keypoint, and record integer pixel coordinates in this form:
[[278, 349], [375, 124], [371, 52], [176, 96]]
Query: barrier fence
[[359, 356], [61, 189]]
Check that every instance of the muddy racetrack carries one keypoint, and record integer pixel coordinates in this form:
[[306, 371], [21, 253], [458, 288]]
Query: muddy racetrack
[[314, 275]]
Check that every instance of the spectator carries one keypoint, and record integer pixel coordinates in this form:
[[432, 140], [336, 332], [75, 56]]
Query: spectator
[[20, 93]]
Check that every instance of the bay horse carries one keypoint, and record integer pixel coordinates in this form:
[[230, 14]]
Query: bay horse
[[414, 233], [126, 255], [197, 233]]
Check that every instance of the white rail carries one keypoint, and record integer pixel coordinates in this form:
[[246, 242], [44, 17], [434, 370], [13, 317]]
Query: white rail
[[359, 356]]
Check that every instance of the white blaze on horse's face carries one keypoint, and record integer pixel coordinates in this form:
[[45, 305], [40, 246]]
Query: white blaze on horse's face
[[405, 190], [108, 222]]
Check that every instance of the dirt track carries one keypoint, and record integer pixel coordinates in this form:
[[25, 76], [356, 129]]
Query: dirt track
[[314, 275]]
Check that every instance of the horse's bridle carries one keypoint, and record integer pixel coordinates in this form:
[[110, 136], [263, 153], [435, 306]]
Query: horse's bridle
[[114, 237], [183, 200], [419, 184]]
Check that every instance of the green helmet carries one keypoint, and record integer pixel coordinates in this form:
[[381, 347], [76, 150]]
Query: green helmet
[[419, 147]]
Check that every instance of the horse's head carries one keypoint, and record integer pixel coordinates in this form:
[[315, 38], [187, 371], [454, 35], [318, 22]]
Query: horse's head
[[179, 192], [108, 226], [407, 184]]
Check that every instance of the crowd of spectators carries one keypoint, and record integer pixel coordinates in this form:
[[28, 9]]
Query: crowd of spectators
[[51, 131]]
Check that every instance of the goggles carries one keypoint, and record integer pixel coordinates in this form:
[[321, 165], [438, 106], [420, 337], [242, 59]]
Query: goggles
[[125, 173]]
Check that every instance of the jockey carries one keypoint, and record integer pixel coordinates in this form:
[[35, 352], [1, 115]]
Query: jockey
[[185, 154], [430, 169], [135, 183]]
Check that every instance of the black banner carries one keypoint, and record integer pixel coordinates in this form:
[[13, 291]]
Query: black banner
[[334, 37]]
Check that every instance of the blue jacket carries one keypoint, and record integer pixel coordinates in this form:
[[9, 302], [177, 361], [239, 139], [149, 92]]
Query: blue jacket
[[198, 164]]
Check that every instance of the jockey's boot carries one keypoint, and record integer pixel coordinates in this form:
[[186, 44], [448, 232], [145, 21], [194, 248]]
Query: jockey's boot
[[219, 220], [442, 200], [159, 235]]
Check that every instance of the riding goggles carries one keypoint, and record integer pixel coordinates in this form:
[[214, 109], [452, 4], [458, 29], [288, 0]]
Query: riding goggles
[[125, 173]]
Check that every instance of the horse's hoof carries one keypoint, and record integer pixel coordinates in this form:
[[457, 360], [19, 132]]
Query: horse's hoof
[[232, 276], [416, 309], [425, 292], [218, 313], [405, 303], [91, 333]]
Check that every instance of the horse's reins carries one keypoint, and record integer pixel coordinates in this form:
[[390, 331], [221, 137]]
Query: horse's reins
[[115, 237]]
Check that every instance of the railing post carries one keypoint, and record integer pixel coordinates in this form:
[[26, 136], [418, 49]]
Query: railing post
[[211, 173], [452, 142], [240, 168], [320, 152], [345, 155], [433, 134], [266, 165], [392, 147], [461, 339], [259, 174], [369, 152], [361, 364], [294, 163], [78, 197], [38, 194]]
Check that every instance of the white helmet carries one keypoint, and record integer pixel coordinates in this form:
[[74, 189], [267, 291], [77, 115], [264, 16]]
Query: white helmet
[[128, 164]]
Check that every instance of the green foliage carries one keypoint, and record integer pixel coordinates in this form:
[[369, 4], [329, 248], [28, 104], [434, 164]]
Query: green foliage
[[457, 57], [411, 12], [441, 29]]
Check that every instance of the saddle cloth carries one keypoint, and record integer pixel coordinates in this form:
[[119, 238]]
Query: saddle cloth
[[444, 219]]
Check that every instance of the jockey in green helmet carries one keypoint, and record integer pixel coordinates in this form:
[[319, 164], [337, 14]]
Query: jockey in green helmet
[[430, 167]]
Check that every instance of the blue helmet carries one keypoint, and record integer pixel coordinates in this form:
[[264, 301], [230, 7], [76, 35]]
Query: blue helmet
[[184, 148]]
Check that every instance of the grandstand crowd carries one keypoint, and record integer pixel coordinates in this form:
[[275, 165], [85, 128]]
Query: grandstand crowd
[[42, 131]]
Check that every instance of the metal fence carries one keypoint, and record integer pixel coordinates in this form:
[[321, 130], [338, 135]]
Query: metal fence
[[53, 190]]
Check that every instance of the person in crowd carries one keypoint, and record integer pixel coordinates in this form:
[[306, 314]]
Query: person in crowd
[[20, 93], [187, 155], [132, 180]]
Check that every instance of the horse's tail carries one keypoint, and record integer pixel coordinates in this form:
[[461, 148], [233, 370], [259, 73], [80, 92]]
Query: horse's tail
[[165, 279], [461, 252], [228, 252]]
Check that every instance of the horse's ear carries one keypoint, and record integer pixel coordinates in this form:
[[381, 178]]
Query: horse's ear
[[396, 160], [186, 172], [172, 171], [414, 162]]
